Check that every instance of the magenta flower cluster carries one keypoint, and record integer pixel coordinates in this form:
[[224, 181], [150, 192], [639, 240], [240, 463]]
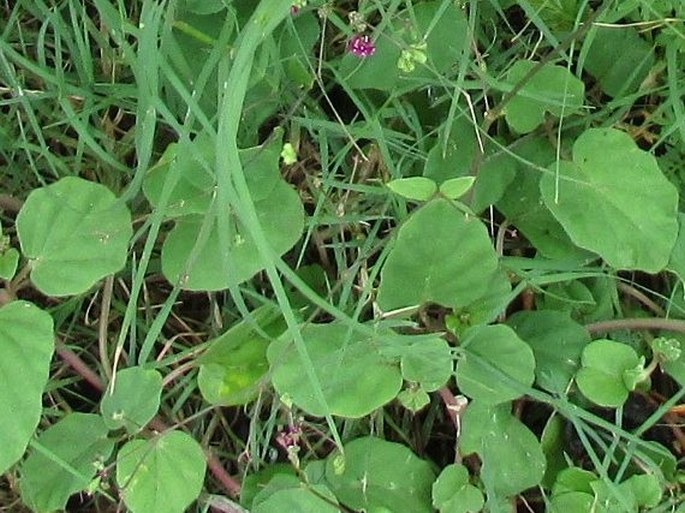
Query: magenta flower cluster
[[361, 45]]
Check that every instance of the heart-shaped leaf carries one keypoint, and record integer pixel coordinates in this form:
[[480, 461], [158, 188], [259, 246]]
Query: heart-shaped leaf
[[164, 473], [424, 256], [552, 89], [75, 233], [133, 401], [602, 375], [453, 493], [494, 356], [614, 200]]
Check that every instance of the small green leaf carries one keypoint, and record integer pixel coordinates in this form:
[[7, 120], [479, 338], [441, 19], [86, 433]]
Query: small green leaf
[[71, 452], [632, 223], [573, 479], [428, 362], [355, 377], [415, 188], [493, 357], [164, 473], [511, 454], [646, 489], [456, 187], [133, 401], [9, 259], [453, 493], [288, 154], [74, 233], [552, 89], [668, 349], [414, 399], [601, 377], [26, 349], [381, 474], [573, 502]]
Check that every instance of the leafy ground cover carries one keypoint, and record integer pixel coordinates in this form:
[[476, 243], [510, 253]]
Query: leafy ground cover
[[380, 255]]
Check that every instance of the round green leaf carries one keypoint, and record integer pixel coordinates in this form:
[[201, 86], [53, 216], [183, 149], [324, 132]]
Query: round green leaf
[[646, 489], [27, 344], [453, 493], [557, 342], [512, 457], [133, 401], [318, 499], [601, 377], [165, 473], [456, 187], [379, 474], [416, 188], [74, 232], [573, 502], [72, 451], [491, 351], [413, 399], [354, 375], [614, 200], [424, 257], [428, 362], [552, 89]]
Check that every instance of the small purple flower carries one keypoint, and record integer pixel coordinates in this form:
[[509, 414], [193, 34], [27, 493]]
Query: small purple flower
[[361, 45]]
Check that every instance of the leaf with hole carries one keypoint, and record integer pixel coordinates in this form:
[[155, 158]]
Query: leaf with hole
[[164, 473], [613, 199], [425, 256], [133, 400], [375, 474], [71, 452], [494, 359], [354, 375], [26, 348], [74, 233], [601, 377]]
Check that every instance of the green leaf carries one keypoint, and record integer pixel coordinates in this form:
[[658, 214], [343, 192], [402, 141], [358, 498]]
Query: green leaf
[[415, 188], [355, 377], [423, 256], [133, 401], [512, 458], [442, 27], [303, 500], [487, 350], [573, 479], [234, 365], [74, 232], [619, 59], [456, 187], [645, 488], [552, 89], [379, 474], [9, 259], [676, 262], [71, 452], [453, 493], [427, 362], [632, 221], [601, 377], [574, 502], [164, 473], [278, 207], [522, 205], [553, 443], [26, 347], [414, 399], [557, 342]]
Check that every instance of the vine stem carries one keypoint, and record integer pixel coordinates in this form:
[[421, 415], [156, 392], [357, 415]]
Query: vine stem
[[637, 324], [230, 484]]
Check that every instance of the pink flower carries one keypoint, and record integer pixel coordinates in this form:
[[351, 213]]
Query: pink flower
[[361, 45]]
